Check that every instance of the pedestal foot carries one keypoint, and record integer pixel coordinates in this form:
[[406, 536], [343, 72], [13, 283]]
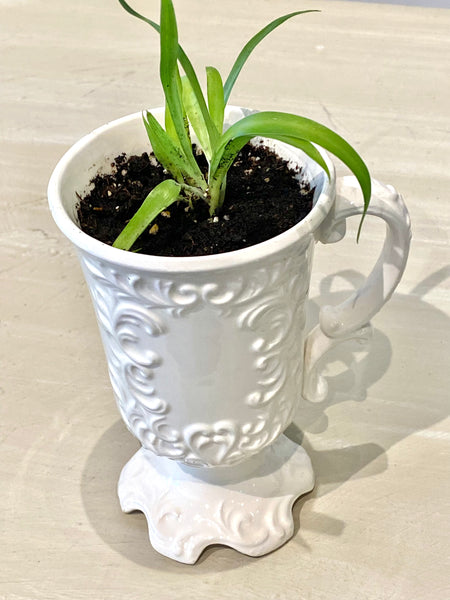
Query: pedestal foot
[[247, 506]]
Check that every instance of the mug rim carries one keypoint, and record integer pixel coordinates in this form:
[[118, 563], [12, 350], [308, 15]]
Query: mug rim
[[86, 243]]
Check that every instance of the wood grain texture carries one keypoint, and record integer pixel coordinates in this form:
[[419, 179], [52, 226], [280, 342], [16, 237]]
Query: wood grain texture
[[376, 527]]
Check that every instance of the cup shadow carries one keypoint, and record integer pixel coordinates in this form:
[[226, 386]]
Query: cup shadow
[[127, 534], [358, 368]]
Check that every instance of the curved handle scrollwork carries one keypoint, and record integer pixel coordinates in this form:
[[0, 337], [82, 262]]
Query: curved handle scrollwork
[[351, 319]]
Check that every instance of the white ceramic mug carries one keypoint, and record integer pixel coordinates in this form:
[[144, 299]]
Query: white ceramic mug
[[206, 353], [207, 356]]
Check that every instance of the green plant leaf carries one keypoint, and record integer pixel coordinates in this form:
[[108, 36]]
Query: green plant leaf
[[170, 154], [133, 12], [185, 63], [160, 198], [284, 126], [169, 126], [169, 73], [221, 161], [164, 148], [216, 98], [251, 45], [168, 121], [217, 181], [195, 116]]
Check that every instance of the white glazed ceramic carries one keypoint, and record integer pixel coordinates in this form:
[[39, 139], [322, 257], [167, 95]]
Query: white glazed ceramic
[[205, 354]]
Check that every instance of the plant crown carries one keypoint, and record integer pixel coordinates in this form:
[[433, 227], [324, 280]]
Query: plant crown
[[186, 107]]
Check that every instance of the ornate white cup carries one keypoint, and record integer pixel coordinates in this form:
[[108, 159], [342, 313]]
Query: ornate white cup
[[206, 354]]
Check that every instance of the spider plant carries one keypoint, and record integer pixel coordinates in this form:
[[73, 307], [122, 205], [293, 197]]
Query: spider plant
[[186, 108]]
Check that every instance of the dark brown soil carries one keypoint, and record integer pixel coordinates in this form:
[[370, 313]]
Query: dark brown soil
[[263, 199]]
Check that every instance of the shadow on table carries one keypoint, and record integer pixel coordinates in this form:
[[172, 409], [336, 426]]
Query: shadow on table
[[359, 368], [385, 420]]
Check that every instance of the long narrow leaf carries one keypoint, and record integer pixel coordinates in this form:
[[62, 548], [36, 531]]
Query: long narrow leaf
[[232, 149], [216, 98], [160, 198], [169, 126], [195, 117], [164, 148], [278, 125], [185, 63], [168, 121], [218, 168], [169, 73], [251, 45], [170, 155]]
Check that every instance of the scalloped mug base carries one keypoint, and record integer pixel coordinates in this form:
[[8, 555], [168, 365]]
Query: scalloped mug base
[[247, 506]]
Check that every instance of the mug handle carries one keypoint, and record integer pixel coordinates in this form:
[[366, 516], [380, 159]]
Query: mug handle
[[351, 319]]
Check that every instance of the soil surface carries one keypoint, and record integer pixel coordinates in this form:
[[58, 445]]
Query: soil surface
[[263, 199]]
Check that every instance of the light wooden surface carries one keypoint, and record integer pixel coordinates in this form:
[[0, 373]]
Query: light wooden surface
[[376, 526]]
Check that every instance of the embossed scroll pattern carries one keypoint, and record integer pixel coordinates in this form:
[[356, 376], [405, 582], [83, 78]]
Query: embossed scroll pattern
[[135, 308], [184, 519]]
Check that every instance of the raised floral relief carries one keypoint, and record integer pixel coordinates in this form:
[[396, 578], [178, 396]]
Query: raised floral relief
[[254, 517], [134, 310]]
